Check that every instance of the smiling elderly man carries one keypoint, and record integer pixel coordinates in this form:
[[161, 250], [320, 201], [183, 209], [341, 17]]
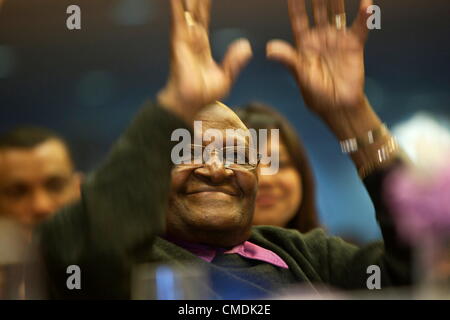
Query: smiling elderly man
[[213, 203], [138, 207]]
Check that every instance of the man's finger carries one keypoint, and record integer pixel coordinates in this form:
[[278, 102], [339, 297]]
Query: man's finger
[[359, 27], [336, 7], [189, 5], [320, 12], [178, 18], [199, 10], [237, 56], [283, 52], [202, 11], [299, 17], [336, 12]]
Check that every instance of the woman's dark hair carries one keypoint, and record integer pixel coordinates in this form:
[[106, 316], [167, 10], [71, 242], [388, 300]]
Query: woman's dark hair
[[257, 116]]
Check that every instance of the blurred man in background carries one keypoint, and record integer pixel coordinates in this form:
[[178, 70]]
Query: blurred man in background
[[37, 175], [37, 178]]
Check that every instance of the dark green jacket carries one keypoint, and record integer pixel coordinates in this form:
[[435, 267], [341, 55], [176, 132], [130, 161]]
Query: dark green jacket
[[116, 224]]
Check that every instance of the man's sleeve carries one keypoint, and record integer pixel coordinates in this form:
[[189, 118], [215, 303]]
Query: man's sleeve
[[350, 267], [122, 208]]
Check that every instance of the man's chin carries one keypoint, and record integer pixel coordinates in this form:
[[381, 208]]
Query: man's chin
[[210, 218], [213, 204], [218, 219], [219, 214]]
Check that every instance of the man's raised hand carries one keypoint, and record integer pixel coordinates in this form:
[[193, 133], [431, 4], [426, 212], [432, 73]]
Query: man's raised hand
[[327, 60], [195, 79]]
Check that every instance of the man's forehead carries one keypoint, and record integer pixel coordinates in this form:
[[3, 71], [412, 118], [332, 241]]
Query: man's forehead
[[47, 157], [219, 118], [50, 149]]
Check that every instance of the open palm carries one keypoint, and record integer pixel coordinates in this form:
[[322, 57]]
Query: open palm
[[195, 78], [327, 62]]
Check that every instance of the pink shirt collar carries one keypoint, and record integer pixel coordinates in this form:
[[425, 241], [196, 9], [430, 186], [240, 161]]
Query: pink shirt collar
[[247, 250]]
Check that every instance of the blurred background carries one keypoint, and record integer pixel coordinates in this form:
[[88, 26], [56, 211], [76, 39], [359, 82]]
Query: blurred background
[[87, 84]]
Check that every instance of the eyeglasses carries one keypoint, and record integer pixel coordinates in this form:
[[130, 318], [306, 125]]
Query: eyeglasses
[[234, 157]]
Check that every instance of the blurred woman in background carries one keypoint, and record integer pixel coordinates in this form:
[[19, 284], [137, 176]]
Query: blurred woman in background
[[287, 198]]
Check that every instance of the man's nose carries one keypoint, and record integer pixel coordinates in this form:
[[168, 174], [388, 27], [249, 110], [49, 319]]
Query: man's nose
[[42, 204], [214, 170]]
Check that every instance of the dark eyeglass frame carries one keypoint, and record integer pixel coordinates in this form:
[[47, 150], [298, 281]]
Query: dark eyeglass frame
[[232, 166]]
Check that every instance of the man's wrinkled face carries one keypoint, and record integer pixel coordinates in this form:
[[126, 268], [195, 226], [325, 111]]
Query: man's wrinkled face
[[212, 204], [36, 182]]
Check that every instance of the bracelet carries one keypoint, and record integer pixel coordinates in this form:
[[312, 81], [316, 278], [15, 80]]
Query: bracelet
[[353, 144], [383, 155]]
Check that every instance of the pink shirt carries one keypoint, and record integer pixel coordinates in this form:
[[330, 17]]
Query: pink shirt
[[247, 250]]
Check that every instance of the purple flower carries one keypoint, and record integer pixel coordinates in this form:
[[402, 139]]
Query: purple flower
[[420, 206]]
